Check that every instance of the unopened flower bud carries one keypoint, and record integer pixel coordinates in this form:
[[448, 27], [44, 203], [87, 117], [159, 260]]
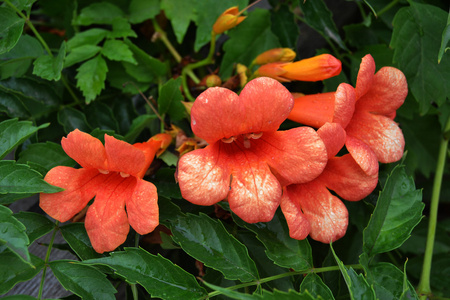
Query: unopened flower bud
[[275, 55], [227, 20], [213, 80], [272, 70]]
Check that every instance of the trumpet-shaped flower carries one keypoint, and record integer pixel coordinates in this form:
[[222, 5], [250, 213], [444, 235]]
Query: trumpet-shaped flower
[[311, 209], [227, 20], [247, 160], [316, 68], [366, 113], [113, 174]]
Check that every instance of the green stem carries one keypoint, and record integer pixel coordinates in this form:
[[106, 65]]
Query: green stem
[[387, 7], [275, 277], [30, 24], [69, 89], [47, 257], [424, 289]]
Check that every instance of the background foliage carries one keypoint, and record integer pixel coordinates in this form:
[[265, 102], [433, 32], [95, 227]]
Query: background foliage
[[93, 65]]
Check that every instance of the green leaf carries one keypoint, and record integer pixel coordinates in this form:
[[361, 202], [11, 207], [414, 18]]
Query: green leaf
[[17, 61], [208, 241], [84, 281], [165, 182], [416, 39], [48, 155], [248, 40], [356, 283], [180, 13], [23, 4], [284, 27], [15, 270], [19, 297], [89, 37], [14, 133], [398, 211], [117, 50], [10, 198], [12, 106], [315, 286], [13, 234], [169, 100], [280, 247], [36, 225], [100, 115], [445, 40], [141, 10], [119, 78], [158, 275], [318, 16], [80, 54], [121, 29], [147, 68], [98, 13], [72, 119], [138, 124], [75, 235], [387, 281], [49, 67], [91, 77], [11, 26], [20, 179], [229, 293]]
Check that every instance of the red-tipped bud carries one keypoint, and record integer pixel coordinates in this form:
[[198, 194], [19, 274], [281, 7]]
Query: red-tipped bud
[[227, 20], [275, 55], [316, 68], [272, 70]]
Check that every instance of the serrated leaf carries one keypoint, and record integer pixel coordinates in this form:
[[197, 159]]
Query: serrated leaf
[[72, 119], [158, 275], [229, 293], [119, 78], [15, 270], [91, 77], [11, 26], [285, 27], [315, 286], [248, 40], [398, 211], [23, 4], [280, 247], [80, 54], [180, 13], [169, 100], [121, 29], [208, 241], [36, 225], [89, 37], [445, 40], [356, 283], [141, 10], [13, 235], [388, 281], [416, 39], [14, 133], [147, 68], [82, 280], [98, 13], [48, 155], [10, 198], [117, 50], [100, 115], [318, 16], [138, 124], [49, 67], [75, 235], [20, 179]]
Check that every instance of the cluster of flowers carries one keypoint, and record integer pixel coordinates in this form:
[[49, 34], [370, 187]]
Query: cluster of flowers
[[248, 161]]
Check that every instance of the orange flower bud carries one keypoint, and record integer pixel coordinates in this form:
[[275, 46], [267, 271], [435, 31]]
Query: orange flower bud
[[273, 70], [242, 72], [227, 20], [165, 139], [316, 68], [275, 55]]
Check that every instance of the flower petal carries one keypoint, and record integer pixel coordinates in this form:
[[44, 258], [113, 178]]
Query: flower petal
[[85, 149], [80, 187], [203, 175], [313, 110], [123, 157], [218, 113], [344, 176], [299, 226], [380, 133], [365, 76], [106, 220], [295, 156], [387, 92], [363, 155], [255, 192], [150, 148], [142, 207], [333, 136], [327, 214], [344, 104]]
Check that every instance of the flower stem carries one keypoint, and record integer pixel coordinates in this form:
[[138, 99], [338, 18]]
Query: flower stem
[[282, 275], [387, 7], [47, 257], [424, 289]]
